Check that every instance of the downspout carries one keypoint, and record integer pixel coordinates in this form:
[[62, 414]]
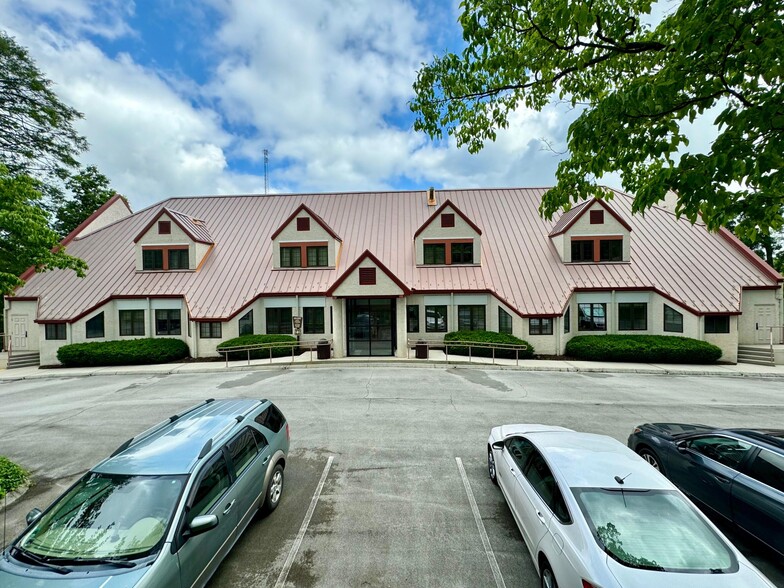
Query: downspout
[[611, 326], [150, 320]]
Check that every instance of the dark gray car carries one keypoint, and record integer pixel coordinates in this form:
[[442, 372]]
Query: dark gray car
[[737, 473], [164, 509]]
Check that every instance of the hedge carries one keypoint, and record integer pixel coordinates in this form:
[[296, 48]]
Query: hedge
[[245, 340], [132, 352], [642, 348], [11, 476], [488, 337]]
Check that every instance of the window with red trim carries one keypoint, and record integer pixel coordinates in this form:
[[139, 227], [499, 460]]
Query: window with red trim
[[447, 220], [367, 276], [303, 224], [164, 227]]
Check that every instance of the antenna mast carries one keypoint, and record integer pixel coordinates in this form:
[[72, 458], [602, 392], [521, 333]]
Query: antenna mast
[[266, 171]]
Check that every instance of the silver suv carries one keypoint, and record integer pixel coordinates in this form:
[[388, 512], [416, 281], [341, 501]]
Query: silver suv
[[164, 509]]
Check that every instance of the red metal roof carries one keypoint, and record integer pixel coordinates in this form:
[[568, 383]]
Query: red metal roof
[[700, 270]]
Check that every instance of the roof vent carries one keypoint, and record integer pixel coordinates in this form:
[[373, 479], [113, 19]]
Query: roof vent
[[431, 196]]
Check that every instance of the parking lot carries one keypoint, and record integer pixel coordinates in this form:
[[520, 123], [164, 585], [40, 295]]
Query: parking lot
[[386, 484]]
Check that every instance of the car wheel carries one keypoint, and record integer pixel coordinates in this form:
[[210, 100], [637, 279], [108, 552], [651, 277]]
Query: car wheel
[[650, 456], [491, 466], [274, 490], [547, 576]]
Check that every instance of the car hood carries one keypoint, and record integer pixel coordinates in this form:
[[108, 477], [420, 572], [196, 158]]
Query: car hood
[[16, 575], [675, 430], [746, 577]]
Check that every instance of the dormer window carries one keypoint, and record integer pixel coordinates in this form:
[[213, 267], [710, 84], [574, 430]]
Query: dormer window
[[452, 252], [164, 227], [304, 255], [448, 237], [592, 232], [304, 240], [172, 241], [165, 258]]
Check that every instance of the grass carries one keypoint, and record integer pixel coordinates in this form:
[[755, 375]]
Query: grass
[[12, 476]]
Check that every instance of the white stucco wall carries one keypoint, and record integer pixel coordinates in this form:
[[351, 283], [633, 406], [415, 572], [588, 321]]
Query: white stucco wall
[[117, 211]]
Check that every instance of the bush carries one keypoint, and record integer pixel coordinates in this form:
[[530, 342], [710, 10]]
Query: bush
[[133, 352], [642, 348], [245, 340], [11, 476], [488, 337]]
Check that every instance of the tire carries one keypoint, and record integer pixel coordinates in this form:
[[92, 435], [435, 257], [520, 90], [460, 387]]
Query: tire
[[274, 491], [491, 466], [651, 457], [546, 576]]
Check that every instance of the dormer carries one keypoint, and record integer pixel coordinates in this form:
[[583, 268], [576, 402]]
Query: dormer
[[592, 232], [368, 277], [172, 241], [447, 238], [305, 241]]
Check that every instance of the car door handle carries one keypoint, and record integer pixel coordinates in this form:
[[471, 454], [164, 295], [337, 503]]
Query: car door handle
[[541, 517], [228, 507], [266, 459], [722, 479]]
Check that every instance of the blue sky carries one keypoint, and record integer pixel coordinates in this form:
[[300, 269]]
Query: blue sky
[[181, 98]]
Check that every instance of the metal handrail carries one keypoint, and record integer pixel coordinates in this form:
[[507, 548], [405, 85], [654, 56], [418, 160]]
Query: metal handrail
[[412, 344], [770, 332], [307, 345]]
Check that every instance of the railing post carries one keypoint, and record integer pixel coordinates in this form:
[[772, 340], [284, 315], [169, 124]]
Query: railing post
[[517, 356], [493, 354], [226, 355], [469, 352], [446, 350], [248, 356]]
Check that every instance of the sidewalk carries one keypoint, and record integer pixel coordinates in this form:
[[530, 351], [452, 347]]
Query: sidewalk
[[437, 360]]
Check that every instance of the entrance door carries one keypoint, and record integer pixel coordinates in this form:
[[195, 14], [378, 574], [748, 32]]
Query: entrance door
[[764, 317], [18, 333], [370, 325]]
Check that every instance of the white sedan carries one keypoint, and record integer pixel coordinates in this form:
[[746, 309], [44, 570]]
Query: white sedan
[[594, 514]]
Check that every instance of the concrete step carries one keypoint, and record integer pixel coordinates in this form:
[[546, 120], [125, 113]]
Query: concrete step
[[25, 359], [755, 361]]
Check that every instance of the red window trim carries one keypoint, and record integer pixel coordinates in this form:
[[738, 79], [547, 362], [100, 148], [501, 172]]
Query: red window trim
[[596, 240], [367, 276], [164, 224], [303, 223], [597, 217], [303, 252], [165, 249], [447, 245]]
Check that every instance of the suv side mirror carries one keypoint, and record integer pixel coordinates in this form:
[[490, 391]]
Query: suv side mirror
[[33, 516], [498, 445], [202, 524]]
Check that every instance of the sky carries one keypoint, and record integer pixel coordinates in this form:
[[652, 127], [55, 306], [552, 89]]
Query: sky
[[181, 98]]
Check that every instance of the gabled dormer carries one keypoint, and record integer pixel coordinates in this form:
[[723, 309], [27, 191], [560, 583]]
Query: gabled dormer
[[592, 232], [305, 241], [368, 277], [172, 241], [448, 237]]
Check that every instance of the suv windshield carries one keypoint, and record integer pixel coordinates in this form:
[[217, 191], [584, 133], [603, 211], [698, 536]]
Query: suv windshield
[[653, 529], [105, 517]]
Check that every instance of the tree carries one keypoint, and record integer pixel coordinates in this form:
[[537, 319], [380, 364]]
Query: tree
[[90, 189], [26, 239], [637, 86]]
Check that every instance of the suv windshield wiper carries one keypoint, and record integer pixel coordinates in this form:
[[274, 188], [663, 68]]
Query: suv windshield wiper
[[41, 561], [120, 563]]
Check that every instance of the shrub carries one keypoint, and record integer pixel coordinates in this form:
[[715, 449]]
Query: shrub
[[488, 337], [642, 348], [11, 476], [133, 352], [245, 340]]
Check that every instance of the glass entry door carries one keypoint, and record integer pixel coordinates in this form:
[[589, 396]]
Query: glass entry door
[[370, 324]]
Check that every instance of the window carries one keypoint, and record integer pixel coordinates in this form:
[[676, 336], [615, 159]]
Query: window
[[447, 220], [541, 478], [597, 217], [271, 418], [471, 317], [435, 253], [412, 318], [673, 320], [593, 317], [504, 321], [318, 256], [567, 320], [303, 224], [435, 319], [367, 276], [768, 468], [243, 449], [278, 321], [632, 316], [164, 227], [94, 327], [210, 330], [212, 486], [540, 326], [610, 250], [55, 331], [152, 259], [717, 323], [462, 253], [520, 449], [725, 450], [167, 322], [313, 320], [246, 323], [290, 257], [131, 323], [178, 259], [582, 250]]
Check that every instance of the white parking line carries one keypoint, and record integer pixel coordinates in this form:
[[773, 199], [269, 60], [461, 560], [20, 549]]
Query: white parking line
[[499, 579], [284, 573]]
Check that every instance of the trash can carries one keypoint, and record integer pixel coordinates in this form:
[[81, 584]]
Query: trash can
[[322, 349], [421, 350]]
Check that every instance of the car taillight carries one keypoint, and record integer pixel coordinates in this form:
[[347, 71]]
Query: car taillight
[[587, 584], [288, 432]]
